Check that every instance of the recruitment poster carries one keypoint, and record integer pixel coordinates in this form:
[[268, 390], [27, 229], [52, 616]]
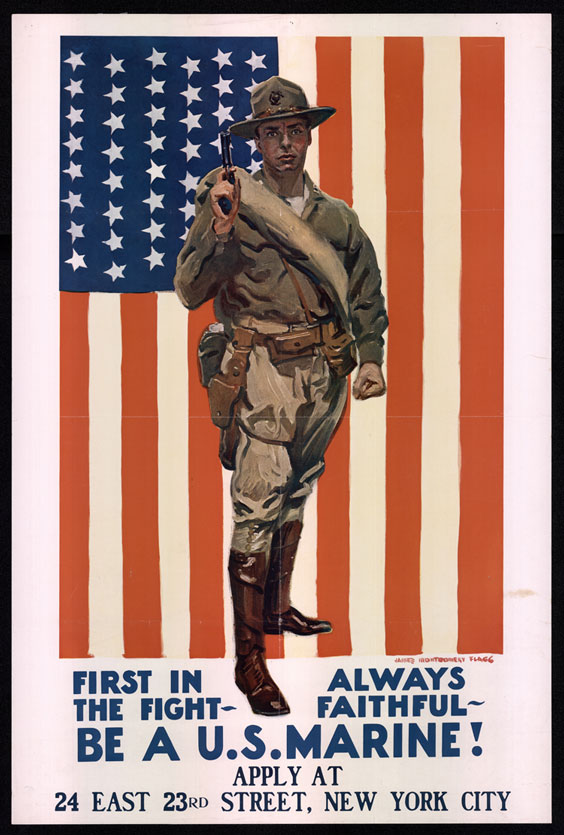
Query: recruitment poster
[[349, 622]]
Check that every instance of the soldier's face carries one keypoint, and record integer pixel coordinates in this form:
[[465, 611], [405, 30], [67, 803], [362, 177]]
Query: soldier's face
[[283, 144]]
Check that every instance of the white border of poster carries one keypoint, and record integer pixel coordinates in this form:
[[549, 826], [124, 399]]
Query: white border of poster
[[510, 781]]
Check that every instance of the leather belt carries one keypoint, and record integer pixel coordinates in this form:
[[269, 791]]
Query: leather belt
[[299, 340]]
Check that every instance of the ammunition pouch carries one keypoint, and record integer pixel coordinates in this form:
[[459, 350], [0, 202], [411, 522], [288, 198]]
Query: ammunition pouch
[[286, 346], [338, 348]]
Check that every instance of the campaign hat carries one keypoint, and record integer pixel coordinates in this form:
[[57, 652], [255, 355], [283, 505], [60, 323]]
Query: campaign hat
[[278, 98]]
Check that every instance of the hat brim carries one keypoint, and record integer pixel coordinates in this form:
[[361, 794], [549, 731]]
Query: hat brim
[[314, 115]]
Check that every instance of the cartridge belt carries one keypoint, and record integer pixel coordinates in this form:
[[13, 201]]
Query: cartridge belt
[[298, 341]]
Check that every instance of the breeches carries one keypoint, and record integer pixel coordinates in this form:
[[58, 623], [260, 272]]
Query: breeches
[[289, 416]]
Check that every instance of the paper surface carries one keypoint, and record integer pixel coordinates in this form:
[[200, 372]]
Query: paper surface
[[430, 700]]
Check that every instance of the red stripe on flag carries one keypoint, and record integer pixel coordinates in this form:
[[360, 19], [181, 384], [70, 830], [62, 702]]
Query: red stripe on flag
[[205, 497], [480, 552], [140, 534], [333, 554], [403, 69], [74, 476]]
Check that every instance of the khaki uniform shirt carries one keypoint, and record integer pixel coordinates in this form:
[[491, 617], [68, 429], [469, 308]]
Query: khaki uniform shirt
[[248, 279]]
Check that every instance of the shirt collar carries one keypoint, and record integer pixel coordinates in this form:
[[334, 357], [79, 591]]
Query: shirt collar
[[315, 192]]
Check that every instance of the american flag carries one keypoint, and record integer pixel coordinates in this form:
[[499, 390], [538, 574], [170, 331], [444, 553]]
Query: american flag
[[402, 544]]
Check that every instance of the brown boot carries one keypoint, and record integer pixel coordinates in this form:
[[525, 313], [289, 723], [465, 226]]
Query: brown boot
[[279, 615], [247, 575]]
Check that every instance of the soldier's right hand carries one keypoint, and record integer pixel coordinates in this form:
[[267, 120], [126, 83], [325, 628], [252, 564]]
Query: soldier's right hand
[[232, 191]]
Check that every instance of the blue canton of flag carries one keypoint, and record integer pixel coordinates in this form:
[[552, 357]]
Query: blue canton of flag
[[140, 123]]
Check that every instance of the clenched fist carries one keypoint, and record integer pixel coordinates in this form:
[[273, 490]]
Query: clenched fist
[[369, 381]]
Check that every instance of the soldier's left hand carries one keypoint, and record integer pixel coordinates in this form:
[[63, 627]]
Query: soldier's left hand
[[369, 381]]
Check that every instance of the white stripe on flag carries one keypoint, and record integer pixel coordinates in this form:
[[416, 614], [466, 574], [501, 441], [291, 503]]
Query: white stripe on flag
[[304, 582], [105, 592], [368, 418], [441, 345], [172, 375], [297, 61]]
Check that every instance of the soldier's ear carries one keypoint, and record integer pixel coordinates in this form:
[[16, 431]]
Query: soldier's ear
[[257, 141], [308, 137]]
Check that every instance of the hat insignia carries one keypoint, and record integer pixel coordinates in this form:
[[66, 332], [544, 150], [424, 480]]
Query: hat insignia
[[275, 97]]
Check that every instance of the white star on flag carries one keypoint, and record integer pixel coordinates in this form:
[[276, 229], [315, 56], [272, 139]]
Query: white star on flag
[[256, 61], [113, 181], [254, 166], [73, 200], [74, 143], [223, 86], [217, 144], [189, 182], [115, 94], [114, 241], [75, 230], [190, 150], [155, 142], [156, 171], [191, 66], [222, 58], [155, 114], [192, 94], [115, 271], [74, 87], [191, 121], [154, 230], [155, 201], [185, 235], [73, 170], [115, 65], [252, 145], [76, 261], [113, 213], [115, 122], [156, 58], [155, 86], [75, 59], [252, 87], [222, 114], [74, 116], [188, 210], [114, 151], [155, 259]]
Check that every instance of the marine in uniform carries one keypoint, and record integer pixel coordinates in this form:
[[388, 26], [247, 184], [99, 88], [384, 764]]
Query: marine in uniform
[[297, 296]]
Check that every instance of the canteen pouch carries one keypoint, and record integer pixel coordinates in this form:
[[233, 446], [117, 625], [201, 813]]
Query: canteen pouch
[[211, 350], [338, 348]]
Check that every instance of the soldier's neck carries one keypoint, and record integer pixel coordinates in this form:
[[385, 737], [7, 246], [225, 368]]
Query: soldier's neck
[[289, 184]]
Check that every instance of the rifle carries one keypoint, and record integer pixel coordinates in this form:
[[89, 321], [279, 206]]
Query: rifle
[[226, 161]]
